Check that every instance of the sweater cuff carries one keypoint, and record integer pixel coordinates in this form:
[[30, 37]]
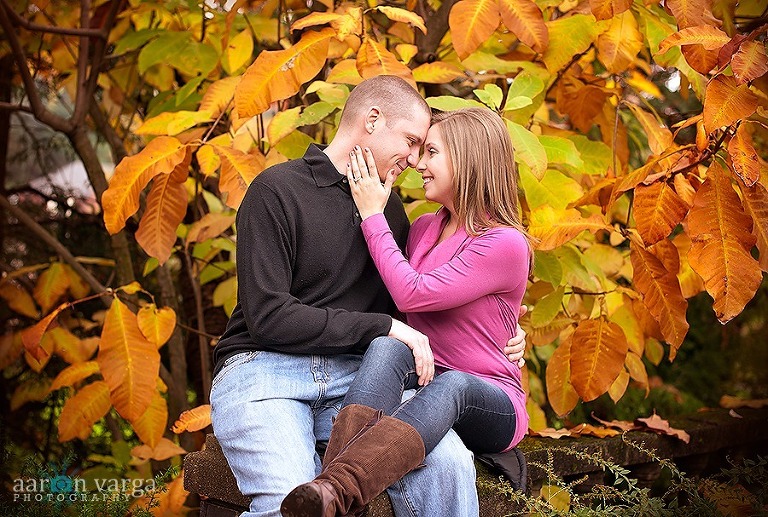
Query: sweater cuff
[[374, 224]]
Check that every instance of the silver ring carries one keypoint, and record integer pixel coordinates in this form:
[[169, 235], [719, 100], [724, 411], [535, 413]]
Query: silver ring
[[357, 178]]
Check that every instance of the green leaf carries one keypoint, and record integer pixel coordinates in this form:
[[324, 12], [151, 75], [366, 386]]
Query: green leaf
[[150, 265], [163, 49], [547, 267], [524, 85], [215, 270], [315, 113], [547, 308], [491, 95], [561, 150], [410, 179], [516, 103], [449, 102], [574, 271], [335, 94], [133, 40], [188, 89], [569, 36], [294, 145], [554, 189], [179, 50], [596, 156], [528, 149]]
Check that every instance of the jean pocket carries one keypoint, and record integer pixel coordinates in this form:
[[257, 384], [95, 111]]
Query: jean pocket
[[233, 362]]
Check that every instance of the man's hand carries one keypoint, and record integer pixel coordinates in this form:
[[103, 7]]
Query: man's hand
[[515, 348], [419, 345]]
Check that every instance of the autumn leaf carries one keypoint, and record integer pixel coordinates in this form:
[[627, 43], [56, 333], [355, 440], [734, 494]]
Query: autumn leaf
[[661, 294], [618, 46], [68, 346], [277, 75], [749, 62], [283, 124], [32, 336], [554, 228], [129, 362], [659, 137], [157, 325], [730, 402], [659, 425], [689, 13], [33, 389], [591, 430], [11, 349], [525, 20], [173, 123], [238, 52], [164, 449], [166, 208], [374, 59], [722, 241], [551, 432], [568, 36], [711, 38], [209, 226], [438, 72], [560, 393], [83, 410], [727, 102], [621, 425], [658, 211], [605, 9], [582, 103], [401, 15], [472, 22], [755, 201], [744, 158], [528, 148], [700, 59], [637, 370], [598, 349], [51, 285], [691, 283], [132, 174], [18, 299], [219, 96], [150, 426], [312, 19], [345, 72], [74, 373], [78, 287], [237, 171], [193, 419]]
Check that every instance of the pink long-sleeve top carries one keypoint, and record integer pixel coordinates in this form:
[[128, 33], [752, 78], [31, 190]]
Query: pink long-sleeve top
[[463, 293]]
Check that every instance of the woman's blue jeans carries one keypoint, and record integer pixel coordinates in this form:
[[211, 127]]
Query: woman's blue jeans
[[480, 412], [268, 410]]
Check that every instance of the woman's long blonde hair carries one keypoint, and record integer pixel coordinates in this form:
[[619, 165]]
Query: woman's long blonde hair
[[484, 170]]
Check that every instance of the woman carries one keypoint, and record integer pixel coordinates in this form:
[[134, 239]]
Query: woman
[[463, 287]]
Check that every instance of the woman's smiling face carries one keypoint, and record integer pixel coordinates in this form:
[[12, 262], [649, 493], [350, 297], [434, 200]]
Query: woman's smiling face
[[436, 169]]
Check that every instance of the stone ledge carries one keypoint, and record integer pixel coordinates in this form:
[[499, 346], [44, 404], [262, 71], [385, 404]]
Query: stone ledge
[[713, 434]]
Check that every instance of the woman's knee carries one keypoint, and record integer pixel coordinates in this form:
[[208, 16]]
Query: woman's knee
[[389, 349]]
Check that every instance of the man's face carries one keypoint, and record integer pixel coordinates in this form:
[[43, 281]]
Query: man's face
[[396, 145]]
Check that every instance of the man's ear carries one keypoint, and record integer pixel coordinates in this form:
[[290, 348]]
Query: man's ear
[[373, 118]]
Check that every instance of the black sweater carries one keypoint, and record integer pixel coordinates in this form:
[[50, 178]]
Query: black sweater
[[306, 283]]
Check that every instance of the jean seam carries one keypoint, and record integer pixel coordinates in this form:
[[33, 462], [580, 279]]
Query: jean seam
[[411, 507]]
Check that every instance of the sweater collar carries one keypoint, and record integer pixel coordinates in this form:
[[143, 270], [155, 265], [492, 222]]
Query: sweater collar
[[323, 171]]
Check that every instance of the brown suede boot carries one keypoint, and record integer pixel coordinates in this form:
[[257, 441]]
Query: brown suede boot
[[365, 468], [350, 422]]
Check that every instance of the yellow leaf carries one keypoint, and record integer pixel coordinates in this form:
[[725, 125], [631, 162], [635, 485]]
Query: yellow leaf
[[726, 102], [225, 295], [637, 370], [83, 410], [598, 350], [132, 288], [406, 51], [315, 18], [157, 325], [690, 13], [68, 346], [619, 386], [746, 162], [749, 62], [237, 171], [211, 225], [162, 451], [722, 241], [658, 211], [557, 497], [605, 9], [345, 72], [625, 318], [208, 160], [401, 15], [151, 424], [166, 208], [755, 200], [11, 348], [277, 75], [193, 419], [374, 59], [73, 374], [525, 20], [560, 393], [472, 22], [51, 285], [32, 337], [731, 402], [568, 36], [659, 137], [128, 361], [172, 123], [283, 124], [619, 45], [34, 389], [18, 299], [77, 286], [351, 23], [238, 52], [121, 199], [437, 72], [641, 84], [654, 351], [537, 419], [219, 96], [661, 295], [711, 38], [554, 228], [691, 283]]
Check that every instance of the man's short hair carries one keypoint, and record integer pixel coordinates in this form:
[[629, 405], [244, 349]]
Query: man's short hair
[[394, 95]]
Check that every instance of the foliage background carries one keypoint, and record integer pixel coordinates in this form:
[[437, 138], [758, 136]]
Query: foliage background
[[640, 133]]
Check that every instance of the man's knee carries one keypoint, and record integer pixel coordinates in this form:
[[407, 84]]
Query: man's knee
[[452, 455]]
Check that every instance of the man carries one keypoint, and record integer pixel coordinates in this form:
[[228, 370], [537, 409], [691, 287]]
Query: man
[[309, 302]]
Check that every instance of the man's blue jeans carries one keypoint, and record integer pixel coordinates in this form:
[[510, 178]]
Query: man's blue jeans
[[268, 410]]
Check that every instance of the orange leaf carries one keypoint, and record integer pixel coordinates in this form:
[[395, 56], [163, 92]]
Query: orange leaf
[[661, 294], [345, 72], [689, 13], [157, 325], [722, 241], [729, 402], [166, 208], [691, 283], [150, 425], [313, 19], [438, 72], [550, 432], [591, 430], [51, 285], [700, 59], [619, 45], [581, 103], [77, 286], [219, 96], [472, 22], [755, 201], [162, 451], [726, 102], [11, 349], [193, 419], [744, 158], [211, 225], [401, 15], [374, 59], [237, 171], [618, 424], [132, 174], [18, 299], [34, 389], [525, 20], [83, 410], [75, 373], [277, 75], [70, 347], [605, 9], [659, 137], [658, 211], [554, 228], [561, 395], [661, 426], [32, 336], [750, 62], [711, 38], [598, 349], [129, 362]]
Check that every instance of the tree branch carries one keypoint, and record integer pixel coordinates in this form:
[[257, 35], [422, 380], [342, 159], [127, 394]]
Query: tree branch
[[7, 106], [437, 26], [52, 29], [113, 139]]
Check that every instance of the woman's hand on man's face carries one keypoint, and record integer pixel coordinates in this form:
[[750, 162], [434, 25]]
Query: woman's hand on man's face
[[369, 193]]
